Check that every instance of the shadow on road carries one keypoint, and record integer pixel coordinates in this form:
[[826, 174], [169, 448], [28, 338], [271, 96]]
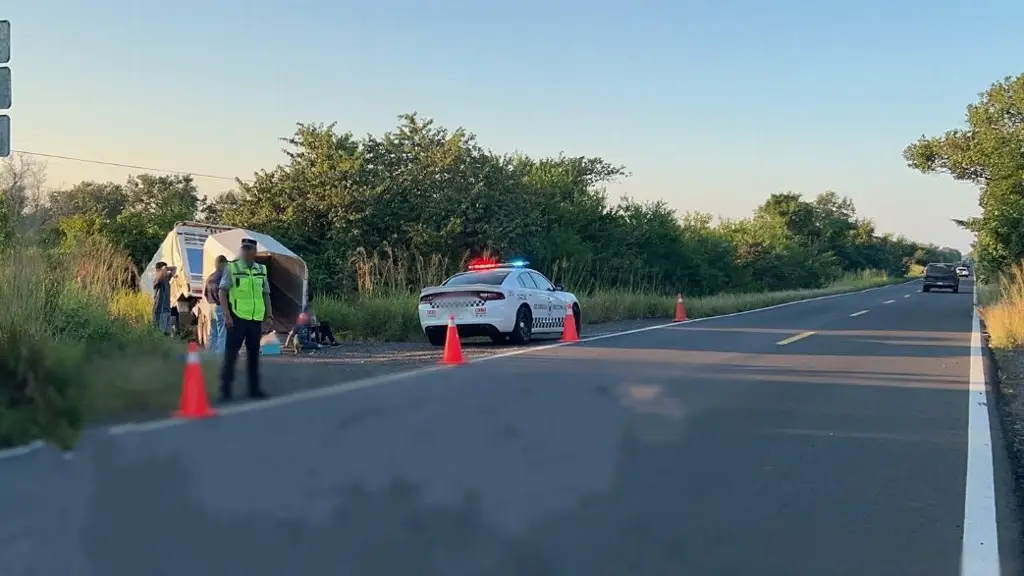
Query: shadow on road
[[141, 526]]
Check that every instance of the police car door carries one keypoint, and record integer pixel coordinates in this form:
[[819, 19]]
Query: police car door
[[555, 306], [538, 301]]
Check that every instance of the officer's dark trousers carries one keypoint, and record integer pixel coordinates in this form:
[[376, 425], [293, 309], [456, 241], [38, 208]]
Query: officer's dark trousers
[[246, 332]]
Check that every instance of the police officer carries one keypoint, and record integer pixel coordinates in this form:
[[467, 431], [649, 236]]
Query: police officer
[[245, 295]]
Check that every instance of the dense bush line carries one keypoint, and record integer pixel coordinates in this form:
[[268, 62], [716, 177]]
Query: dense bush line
[[389, 214]]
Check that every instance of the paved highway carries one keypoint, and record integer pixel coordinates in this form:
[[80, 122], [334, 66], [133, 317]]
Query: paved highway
[[811, 439]]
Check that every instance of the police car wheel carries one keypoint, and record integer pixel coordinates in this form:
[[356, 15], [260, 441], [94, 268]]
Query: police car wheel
[[576, 318], [523, 329]]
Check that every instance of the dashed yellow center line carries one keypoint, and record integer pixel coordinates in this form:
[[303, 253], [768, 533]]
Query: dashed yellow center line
[[792, 339]]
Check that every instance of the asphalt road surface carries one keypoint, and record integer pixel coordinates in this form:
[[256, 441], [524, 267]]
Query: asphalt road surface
[[706, 448]]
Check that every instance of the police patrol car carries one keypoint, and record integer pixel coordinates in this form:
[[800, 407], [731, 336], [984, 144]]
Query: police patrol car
[[504, 301]]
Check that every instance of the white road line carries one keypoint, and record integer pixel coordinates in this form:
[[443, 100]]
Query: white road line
[[888, 302], [20, 450], [907, 295], [858, 313], [346, 387], [795, 338], [979, 554]]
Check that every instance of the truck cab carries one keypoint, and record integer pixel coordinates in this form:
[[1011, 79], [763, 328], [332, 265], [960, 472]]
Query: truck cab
[[182, 248]]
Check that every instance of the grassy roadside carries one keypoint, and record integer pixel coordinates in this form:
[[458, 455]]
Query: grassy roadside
[[74, 347], [395, 319], [1001, 307]]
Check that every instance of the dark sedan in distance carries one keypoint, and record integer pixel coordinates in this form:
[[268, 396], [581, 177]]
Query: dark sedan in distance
[[941, 276]]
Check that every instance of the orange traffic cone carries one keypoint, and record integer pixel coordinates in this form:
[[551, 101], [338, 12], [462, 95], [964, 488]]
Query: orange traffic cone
[[194, 403], [680, 310], [569, 333], [452, 346]]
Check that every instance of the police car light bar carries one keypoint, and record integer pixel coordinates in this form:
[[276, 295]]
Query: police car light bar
[[486, 264]]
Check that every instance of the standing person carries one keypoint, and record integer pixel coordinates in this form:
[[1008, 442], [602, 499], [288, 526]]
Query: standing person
[[245, 290], [162, 297], [212, 294]]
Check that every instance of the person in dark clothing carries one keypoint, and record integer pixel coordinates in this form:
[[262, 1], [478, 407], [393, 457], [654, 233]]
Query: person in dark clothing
[[162, 297], [245, 295], [218, 331], [302, 336], [309, 333], [321, 330]]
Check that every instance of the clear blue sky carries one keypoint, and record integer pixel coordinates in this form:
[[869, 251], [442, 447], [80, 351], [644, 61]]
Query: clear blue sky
[[711, 105]]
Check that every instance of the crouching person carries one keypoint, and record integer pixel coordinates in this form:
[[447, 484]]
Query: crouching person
[[301, 337]]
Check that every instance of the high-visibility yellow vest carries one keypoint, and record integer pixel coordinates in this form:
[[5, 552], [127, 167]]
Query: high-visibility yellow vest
[[246, 293]]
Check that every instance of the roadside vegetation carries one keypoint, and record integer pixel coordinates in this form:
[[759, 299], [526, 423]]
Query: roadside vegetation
[[1002, 313], [71, 350], [376, 219], [986, 151]]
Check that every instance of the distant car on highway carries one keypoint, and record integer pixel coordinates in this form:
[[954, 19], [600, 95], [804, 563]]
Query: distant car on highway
[[962, 271], [501, 300], [942, 276]]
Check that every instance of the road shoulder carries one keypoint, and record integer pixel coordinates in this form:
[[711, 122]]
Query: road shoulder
[[1003, 373]]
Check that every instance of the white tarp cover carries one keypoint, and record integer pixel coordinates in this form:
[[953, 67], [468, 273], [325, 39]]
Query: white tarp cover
[[289, 278]]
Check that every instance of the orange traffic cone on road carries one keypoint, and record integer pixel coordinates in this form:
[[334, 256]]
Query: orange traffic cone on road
[[452, 346], [569, 333], [194, 402], [680, 310]]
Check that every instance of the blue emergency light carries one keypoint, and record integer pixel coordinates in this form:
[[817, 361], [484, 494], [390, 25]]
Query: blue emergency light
[[484, 264]]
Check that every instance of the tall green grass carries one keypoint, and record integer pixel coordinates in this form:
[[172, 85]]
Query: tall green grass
[[76, 344]]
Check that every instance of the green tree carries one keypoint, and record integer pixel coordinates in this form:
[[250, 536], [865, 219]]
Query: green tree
[[134, 216], [988, 152], [396, 211]]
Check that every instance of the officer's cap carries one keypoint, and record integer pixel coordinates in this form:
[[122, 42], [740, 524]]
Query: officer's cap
[[248, 244]]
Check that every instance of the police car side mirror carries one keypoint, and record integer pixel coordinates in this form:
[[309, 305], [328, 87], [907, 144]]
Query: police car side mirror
[[559, 288]]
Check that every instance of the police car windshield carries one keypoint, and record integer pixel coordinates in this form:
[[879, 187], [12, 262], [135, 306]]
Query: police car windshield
[[491, 277]]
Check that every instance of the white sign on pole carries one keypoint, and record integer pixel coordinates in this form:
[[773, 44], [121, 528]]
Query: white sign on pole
[[5, 136], [5, 41], [5, 88]]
